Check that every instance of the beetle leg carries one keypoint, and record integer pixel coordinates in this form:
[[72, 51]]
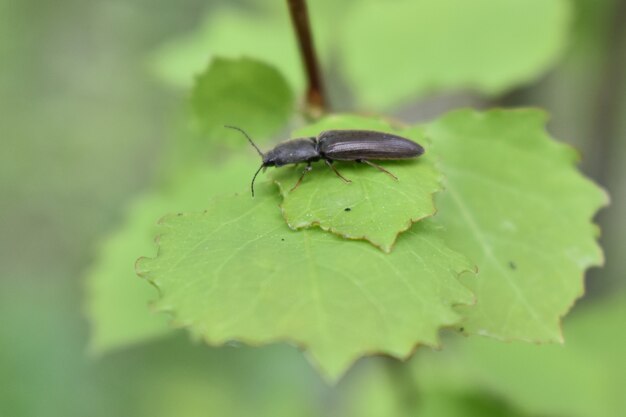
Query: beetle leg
[[378, 167], [307, 169], [331, 166]]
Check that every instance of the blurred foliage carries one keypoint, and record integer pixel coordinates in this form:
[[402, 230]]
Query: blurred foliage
[[583, 377], [84, 129], [484, 45], [437, 45]]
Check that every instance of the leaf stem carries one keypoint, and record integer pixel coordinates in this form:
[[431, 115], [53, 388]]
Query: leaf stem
[[316, 100]]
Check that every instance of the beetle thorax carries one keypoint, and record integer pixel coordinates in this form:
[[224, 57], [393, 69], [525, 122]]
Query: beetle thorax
[[292, 152]]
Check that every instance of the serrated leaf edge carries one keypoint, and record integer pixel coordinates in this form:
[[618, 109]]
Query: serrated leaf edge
[[331, 379]]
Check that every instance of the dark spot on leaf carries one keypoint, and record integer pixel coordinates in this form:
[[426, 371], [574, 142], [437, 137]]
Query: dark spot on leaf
[[512, 265], [282, 238], [179, 214], [347, 209], [462, 329]]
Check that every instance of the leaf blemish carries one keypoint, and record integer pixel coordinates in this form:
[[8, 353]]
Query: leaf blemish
[[512, 265], [347, 209]]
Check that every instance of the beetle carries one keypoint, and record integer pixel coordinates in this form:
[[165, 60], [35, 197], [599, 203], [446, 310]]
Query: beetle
[[336, 145]]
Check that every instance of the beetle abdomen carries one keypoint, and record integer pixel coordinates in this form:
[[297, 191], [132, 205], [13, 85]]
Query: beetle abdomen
[[349, 145]]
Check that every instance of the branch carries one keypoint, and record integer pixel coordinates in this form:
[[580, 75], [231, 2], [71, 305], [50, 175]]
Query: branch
[[315, 96], [606, 123]]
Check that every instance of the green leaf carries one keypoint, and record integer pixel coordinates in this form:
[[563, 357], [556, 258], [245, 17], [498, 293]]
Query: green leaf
[[516, 205], [237, 272], [387, 52], [241, 92], [374, 206], [485, 45], [117, 304]]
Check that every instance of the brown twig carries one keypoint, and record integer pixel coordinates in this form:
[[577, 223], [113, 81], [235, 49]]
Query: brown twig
[[606, 123], [315, 96], [605, 152]]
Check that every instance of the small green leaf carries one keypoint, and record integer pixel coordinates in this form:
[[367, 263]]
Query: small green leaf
[[516, 205], [242, 92], [237, 272], [373, 206]]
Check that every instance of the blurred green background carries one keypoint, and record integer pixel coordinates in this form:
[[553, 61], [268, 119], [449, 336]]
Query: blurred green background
[[89, 106]]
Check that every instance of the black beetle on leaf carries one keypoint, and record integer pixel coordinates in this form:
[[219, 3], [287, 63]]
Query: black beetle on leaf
[[337, 145]]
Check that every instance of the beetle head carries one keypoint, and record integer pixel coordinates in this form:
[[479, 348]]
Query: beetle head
[[270, 160]]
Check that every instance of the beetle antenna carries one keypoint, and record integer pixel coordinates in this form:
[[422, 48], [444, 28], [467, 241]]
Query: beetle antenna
[[253, 178], [249, 139]]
